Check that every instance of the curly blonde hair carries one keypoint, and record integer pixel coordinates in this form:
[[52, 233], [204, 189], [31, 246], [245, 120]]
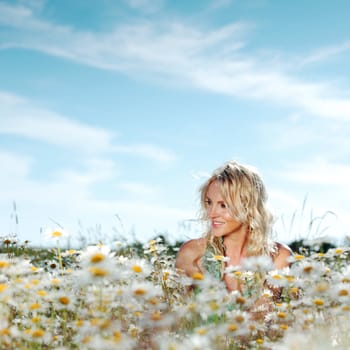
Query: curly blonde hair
[[245, 195]]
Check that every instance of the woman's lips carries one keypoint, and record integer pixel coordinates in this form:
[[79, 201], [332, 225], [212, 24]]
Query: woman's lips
[[216, 224]]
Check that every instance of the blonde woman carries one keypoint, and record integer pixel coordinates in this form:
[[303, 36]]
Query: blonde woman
[[233, 202]]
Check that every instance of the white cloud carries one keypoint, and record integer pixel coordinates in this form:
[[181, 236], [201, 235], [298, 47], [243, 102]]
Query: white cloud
[[297, 132], [325, 53], [69, 197], [67, 193], [18, 116], [205, 59], [94, 171], [320, 172]]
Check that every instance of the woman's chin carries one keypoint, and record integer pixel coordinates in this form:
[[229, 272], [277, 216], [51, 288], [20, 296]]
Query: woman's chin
[[218, 233]]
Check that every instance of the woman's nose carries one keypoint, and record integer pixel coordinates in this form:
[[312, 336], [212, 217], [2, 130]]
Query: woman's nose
[[212, 211]]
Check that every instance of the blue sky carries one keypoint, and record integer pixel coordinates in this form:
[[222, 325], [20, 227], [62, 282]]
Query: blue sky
[[113, 112]]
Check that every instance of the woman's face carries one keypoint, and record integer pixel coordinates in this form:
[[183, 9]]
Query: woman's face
[[222, 221]]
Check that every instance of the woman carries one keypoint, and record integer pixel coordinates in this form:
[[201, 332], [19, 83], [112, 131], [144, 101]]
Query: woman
[[233, 202]]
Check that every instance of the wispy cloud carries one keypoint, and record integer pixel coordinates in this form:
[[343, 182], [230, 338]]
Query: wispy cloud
[[320, 172], [325, 53], [296, 131], [205, 59], [19, 116]]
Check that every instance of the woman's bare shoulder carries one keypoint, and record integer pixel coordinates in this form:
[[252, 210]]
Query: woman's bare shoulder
[[283, 252], [189, 256], [193, 248], [196, 243], [283, 248]]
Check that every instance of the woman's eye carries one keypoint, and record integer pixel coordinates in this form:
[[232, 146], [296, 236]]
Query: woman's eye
[[207, 202], [223, 206]]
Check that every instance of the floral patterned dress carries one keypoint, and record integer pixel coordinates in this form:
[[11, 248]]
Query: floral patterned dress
[[213, 263]]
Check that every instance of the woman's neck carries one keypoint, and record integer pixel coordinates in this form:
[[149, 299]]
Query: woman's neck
[[236, 246]]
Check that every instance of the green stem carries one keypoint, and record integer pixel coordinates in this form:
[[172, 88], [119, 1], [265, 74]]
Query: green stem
[[59, 255]]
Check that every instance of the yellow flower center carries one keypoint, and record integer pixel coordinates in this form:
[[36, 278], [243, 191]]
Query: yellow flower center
[[232, 327], [4, 264], [42, 293], [308, 269], [86, 340], [97, 257], [201, 331], [105, 324], [56, 234], [240, 300], [79, 323], [5, 331], [64, 300], [98, 272], [117, 336], [153, 301], [137, 268], [140, 291], [343, 293], [277, 277], [289, 278], [319, 302], [239, 319], [198, 276], [191, 307], [38, 333], [156, 316], [34, 306]]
